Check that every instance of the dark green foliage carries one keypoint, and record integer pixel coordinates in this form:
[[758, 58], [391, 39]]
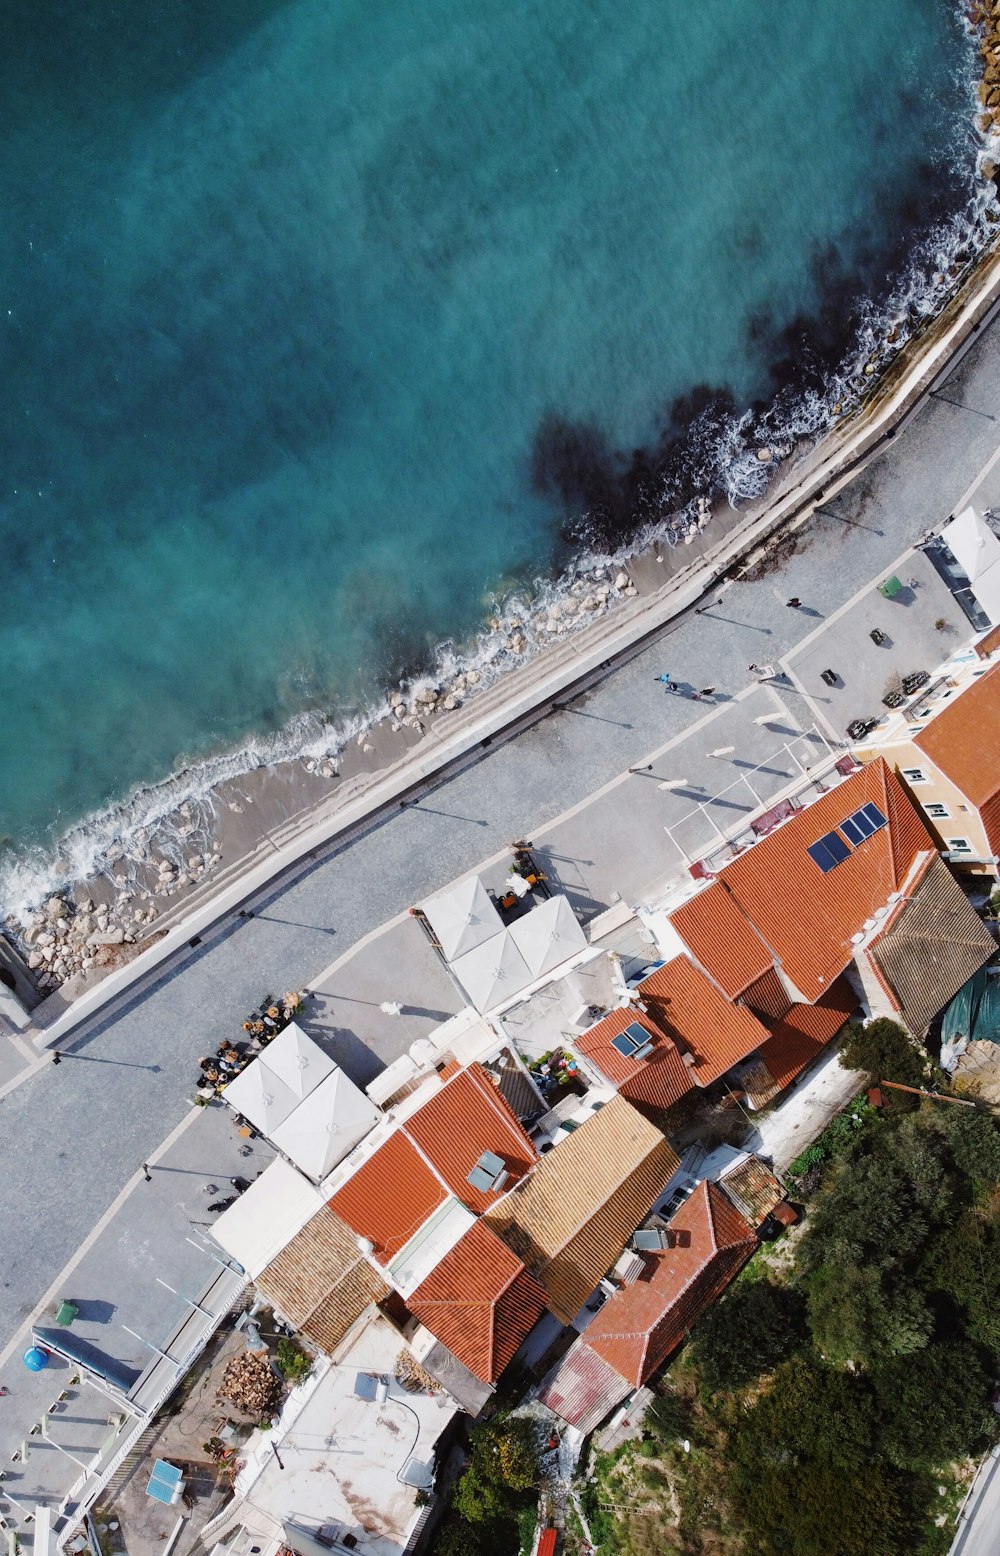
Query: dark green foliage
[[668, 1419], [885, 1048], [498, 1485], [753, 1328], [975, 1144], [932, 1406], [293, 1362]]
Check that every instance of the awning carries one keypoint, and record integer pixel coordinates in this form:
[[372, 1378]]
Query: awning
[[261, 1096], [463, 917], [548, 936], [296, 1060], [493, 973], [977, 551], [326, 1126], [266, 1217]]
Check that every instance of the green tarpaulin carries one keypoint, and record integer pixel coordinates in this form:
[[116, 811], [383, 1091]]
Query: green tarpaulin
[[975, 1011]]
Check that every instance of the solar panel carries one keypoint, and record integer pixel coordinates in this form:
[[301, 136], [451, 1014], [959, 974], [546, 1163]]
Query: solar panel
[[164, 1482], [828, 851], [481, 1179], [634, 1042], [863, 824]]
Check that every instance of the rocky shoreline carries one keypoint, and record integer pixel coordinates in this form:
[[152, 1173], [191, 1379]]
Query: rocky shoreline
[[89, 928]]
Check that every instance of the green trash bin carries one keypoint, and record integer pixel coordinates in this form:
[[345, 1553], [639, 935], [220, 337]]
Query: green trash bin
[[65, 1313], [890, 588]]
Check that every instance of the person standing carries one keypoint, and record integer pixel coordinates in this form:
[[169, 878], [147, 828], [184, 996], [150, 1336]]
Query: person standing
[[793, 603]]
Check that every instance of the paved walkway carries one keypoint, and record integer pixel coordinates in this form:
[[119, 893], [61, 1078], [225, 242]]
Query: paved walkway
[[74, 1134]]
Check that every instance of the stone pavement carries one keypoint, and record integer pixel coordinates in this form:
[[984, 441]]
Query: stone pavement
[[75, 1134]]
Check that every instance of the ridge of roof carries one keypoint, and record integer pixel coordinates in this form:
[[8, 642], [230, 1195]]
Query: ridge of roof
[[955, 737]]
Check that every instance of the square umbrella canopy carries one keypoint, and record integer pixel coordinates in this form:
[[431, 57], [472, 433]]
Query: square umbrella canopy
[[463, 917], [493, 973], [261, 1096], [326, 1126], [294, 1059], [548, 936]]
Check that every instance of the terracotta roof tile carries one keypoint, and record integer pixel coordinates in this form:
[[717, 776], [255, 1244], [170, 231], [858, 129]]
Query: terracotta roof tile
[[636, 1330], [570, 1219], [807, 918], [804, 1032], [719, 936], [962, 738], [465, 1118], [754, 1190], [480, 1302], [390, 1196], [688, 1006], [320, 1282], [652, 1084], [766, 997]]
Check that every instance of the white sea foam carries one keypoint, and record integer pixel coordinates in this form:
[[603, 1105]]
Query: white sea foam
[[177, 815]]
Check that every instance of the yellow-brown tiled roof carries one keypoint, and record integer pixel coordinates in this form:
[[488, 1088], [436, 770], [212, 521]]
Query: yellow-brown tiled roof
[[570, 1219]]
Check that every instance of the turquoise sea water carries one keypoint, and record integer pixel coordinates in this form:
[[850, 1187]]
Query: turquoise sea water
[[304, 304]]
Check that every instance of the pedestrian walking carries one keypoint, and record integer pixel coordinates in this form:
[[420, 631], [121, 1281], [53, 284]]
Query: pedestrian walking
[[664, 679], [794, 602], [707, 691], [754, 669]]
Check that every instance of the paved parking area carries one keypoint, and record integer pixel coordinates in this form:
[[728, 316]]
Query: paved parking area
[[842, 643]]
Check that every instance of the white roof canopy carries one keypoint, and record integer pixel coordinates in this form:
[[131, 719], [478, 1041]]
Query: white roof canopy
[[977, 551], [261, 1096], [295, 1059], [266, 1217], [462, 917], [326, 1126], [493, 973], [548, 936]]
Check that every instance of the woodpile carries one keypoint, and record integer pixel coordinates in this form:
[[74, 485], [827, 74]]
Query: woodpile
[[251, 1386]]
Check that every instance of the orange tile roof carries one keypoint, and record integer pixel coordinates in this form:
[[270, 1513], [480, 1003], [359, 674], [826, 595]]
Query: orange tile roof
[[390, 1196], [656, 1082], [766, 997], [465, 1118], [805, 1031], [636, 1330], [688, 1006], [718, 935], [807, 918], [963, 737], [480, 1302]]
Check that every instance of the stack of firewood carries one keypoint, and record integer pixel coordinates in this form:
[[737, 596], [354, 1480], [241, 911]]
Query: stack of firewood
[[250, 1385]]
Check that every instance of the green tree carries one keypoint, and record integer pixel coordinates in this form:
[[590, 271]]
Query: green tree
[[933, 1406], [885, 1048], [753, 1328], [975, 1144]]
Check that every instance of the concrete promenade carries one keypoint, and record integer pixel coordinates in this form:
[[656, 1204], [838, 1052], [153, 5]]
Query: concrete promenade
[[75, 1134]]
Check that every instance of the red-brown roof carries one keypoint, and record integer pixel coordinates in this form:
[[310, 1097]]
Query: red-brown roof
[[390, 1196], [805, 1031], [806, 917], [467, 1117], [480, 1302], [961, 738], [700, 1020], [767, 997], [651, 1084], [636, 1330], [583, 1388], [719, 936]]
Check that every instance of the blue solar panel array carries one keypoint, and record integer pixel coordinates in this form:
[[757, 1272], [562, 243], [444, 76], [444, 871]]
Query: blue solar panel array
[[863, 824], [831, 850], [634, 1042], [828, 851]]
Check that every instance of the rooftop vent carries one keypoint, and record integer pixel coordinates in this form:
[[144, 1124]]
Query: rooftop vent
[[634, 1043], [489, 1174]]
